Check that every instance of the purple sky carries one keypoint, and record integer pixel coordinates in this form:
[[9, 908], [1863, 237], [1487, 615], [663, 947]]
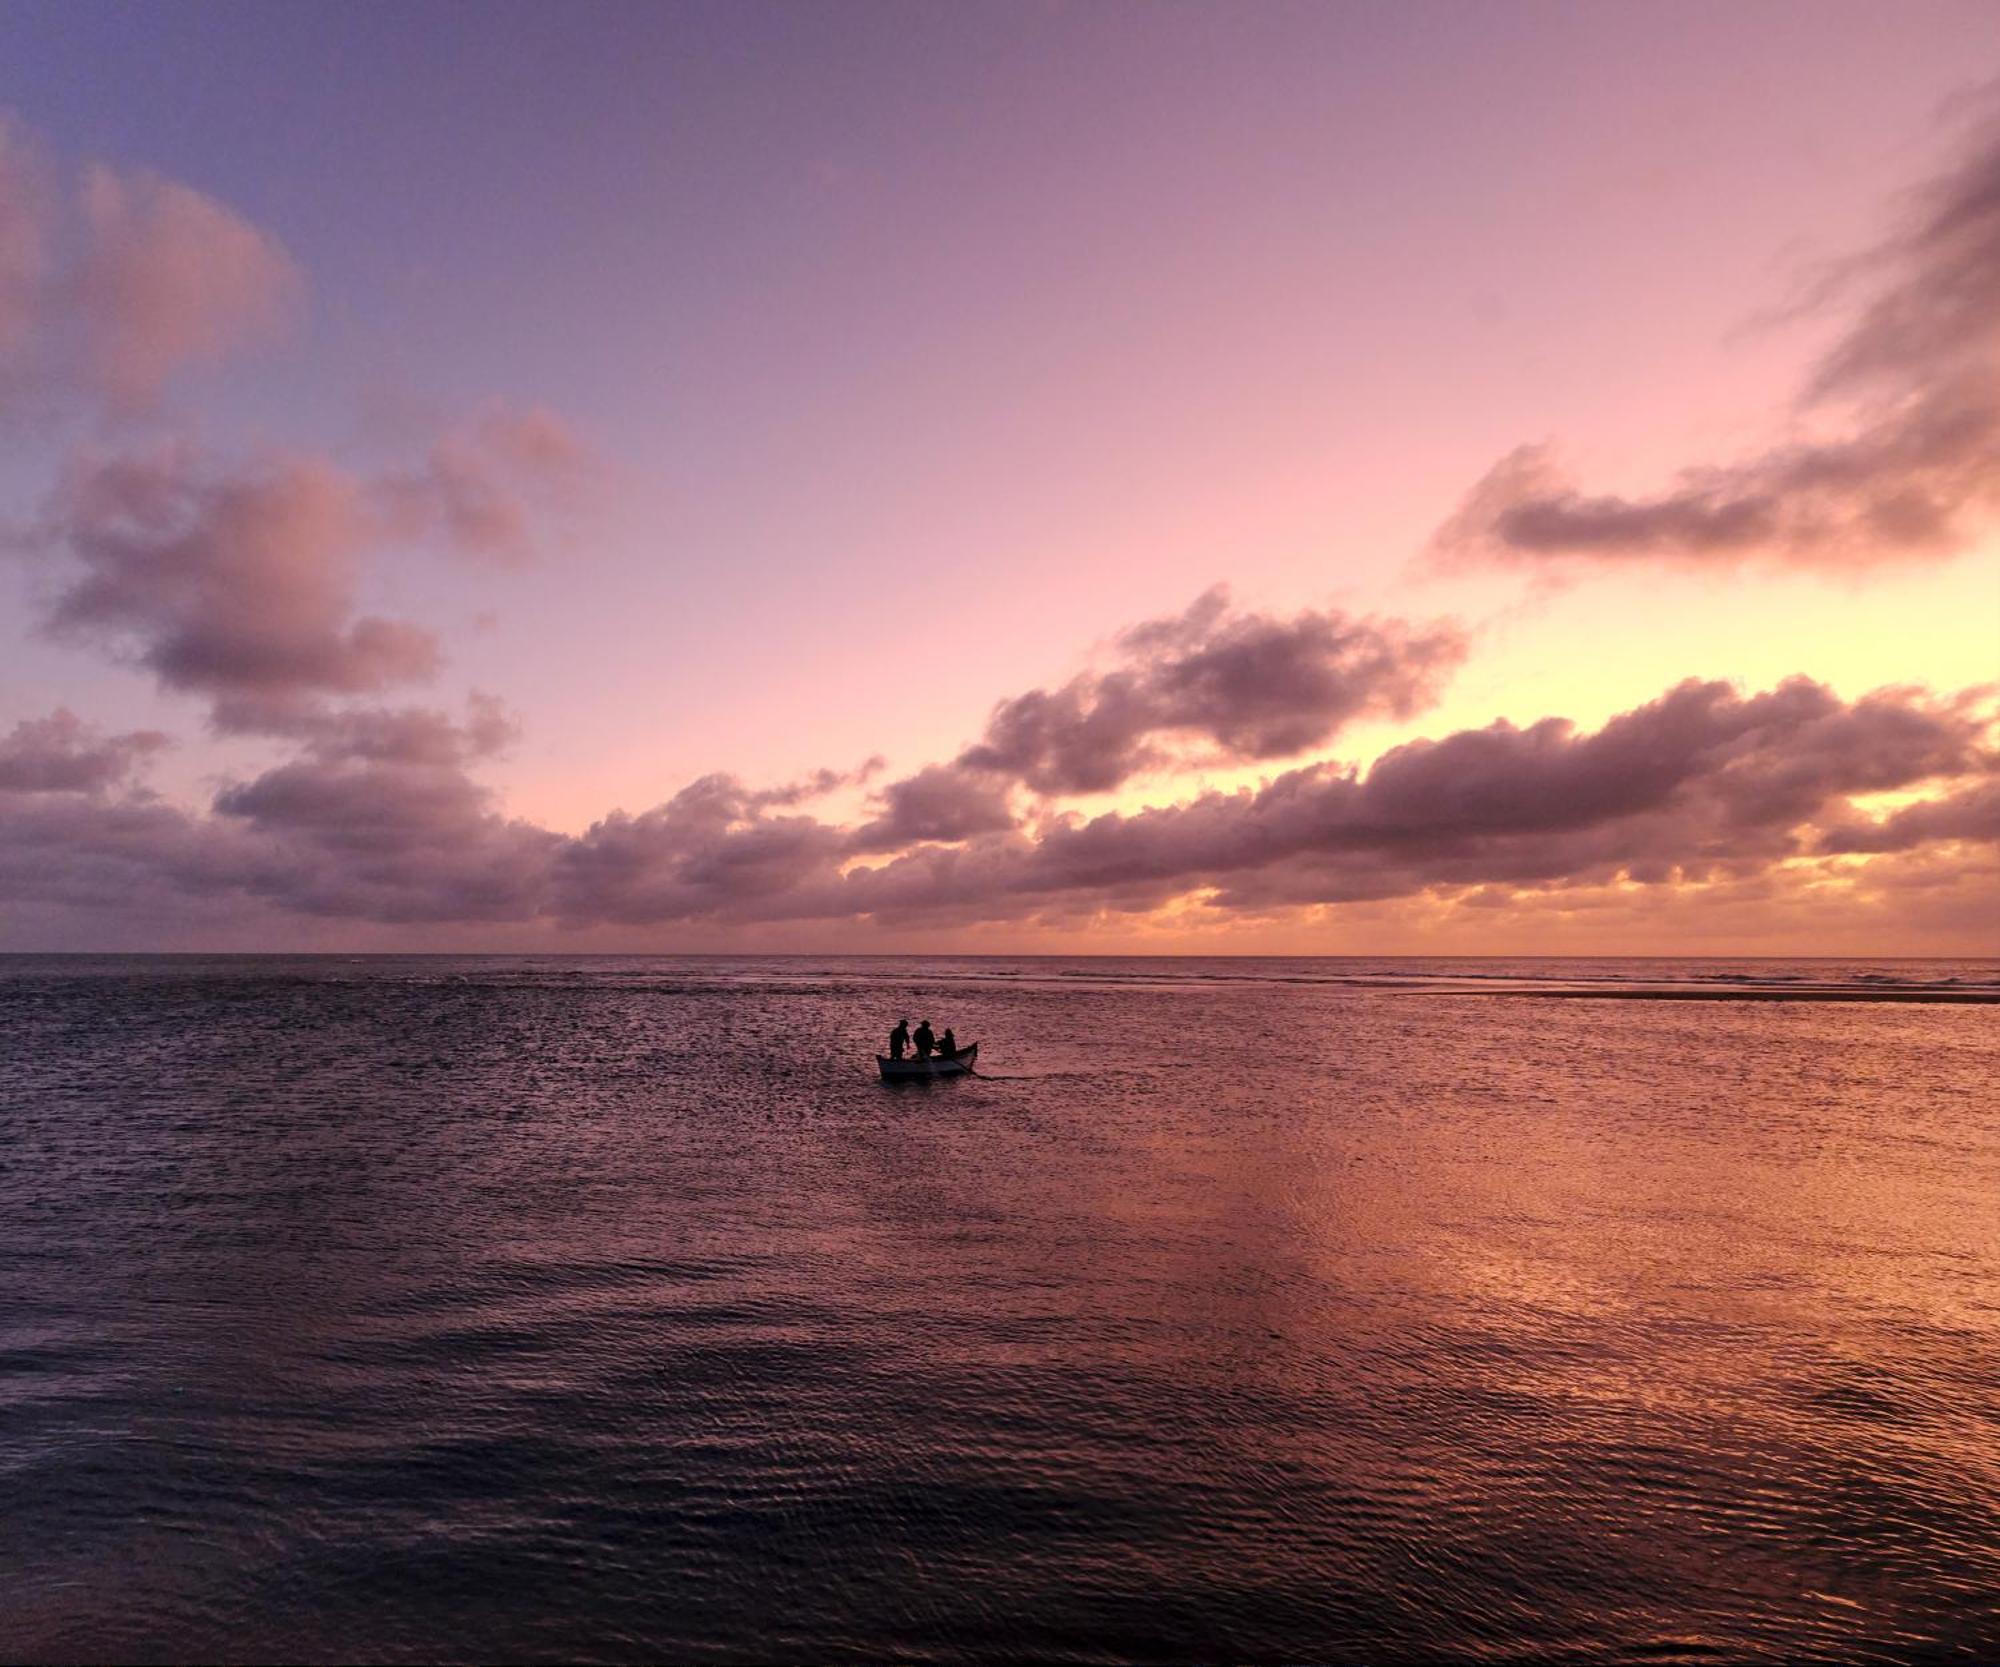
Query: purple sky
[[442, 439]]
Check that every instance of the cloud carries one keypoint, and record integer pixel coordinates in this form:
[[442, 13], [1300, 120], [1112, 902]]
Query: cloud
[[491, 488], [170, 278], [63, 754], [97, 859], [1938, 296], [400, 734], [1250, 686], [1701, 782], [818, 784], [112, 288], [114, 282], [1912, 474], [1972, 815], [939, 802], [238, 583], [379, 823], [390, 839], [1245, 686], [236, 586], [1704, 787], [710, 850]]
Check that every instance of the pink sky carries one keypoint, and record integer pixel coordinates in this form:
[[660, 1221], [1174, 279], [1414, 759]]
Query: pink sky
[[506, 491]]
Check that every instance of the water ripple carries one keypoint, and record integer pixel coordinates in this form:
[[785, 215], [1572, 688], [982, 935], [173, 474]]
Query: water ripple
[[608, 1310]]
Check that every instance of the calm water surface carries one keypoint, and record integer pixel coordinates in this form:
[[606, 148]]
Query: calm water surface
[[608, 1309]]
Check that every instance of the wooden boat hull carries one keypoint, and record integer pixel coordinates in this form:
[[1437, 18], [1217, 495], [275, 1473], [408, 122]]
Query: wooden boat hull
[[912, 1069]]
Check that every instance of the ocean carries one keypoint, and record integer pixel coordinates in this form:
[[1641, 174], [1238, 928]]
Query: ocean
[[611, 1309]]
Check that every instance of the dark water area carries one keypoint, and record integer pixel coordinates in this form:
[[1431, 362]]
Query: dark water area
[[537, 1309]]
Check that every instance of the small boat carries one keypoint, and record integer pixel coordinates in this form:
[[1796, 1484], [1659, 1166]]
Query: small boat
[[912, 1069]]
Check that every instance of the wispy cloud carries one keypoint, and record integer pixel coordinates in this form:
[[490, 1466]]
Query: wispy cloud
[[490, 488], [1906, 465]]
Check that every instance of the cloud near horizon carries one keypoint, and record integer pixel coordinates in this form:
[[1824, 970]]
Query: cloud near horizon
[[1911, 471], [1704, 786]]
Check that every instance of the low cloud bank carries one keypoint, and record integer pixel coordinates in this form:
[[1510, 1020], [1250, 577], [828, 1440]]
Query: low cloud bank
[[1703, 784]]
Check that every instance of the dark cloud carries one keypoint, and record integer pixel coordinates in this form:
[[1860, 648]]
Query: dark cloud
[[106, 856], [387, 840], [1915, 381], [815, 785], [234, 583], [1767, 761], [1936, 299], [939, 802], [383, 824], [1972, 815], [712, 850], [1249, 686], [1699, 783], [63, 754], [400, 734], [236, 586], [238, 583], [1243, 686], [357, 837]]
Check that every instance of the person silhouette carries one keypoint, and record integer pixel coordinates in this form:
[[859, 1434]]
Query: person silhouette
[[899, 1038], [947, 1043], [924, 1039]]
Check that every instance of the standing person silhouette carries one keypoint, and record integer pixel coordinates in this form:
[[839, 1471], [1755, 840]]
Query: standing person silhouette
[[899, 1038], [924, 1038]]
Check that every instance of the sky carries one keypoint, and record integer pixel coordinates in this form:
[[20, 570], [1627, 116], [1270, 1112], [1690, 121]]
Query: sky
[[1447, 478]]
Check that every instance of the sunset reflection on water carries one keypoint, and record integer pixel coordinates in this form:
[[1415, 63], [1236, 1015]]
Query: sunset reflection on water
[[547, 1310]]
